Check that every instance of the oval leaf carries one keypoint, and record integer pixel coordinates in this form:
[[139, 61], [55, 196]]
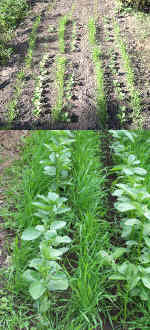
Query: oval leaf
[[123, 207], [140, 171], [52, 196], [146, 281], [58, 282], [30, 234], [37, 289], [31, 275], [131, 222], [62, 239], [57, 225], [53, 253]]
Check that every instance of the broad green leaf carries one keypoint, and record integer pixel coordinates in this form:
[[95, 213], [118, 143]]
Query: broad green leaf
[[52, 196], [35, 263], [131, 222], [147, 241], [146, 229], [128, 190], [42, 214], [40, 228], [58, 282], [133, 280], [144, 270], [41, 205], [54, 253], [146, 281], [145, 257], [42, 197], [118, 252], [147, 214], [128, 171], [117, 192], [144, 294], [60, 210], [140, 171], [50, 234], [123, 268], [105, 257], [37, 289], [116, 277], [31, 275], [55, 267], [131, 243], [57, 225], [61, 239], [123, 207], [30, 234], [50, 170], [44, 304], [52, 265]]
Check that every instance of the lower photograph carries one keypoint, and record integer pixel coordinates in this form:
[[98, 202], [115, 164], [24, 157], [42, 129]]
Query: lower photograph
[[75, 230]]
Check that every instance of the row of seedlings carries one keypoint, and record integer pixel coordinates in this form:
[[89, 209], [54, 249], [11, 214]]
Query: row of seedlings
[[96, 54], [132, 276], [60, 71], [46, 273], [135, 94], [11, 106]]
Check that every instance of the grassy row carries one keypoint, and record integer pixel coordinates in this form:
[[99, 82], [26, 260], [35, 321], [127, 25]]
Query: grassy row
[[96, 53], [60, 68]]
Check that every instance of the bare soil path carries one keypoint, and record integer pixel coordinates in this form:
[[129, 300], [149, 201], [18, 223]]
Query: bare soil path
[[81, 107]]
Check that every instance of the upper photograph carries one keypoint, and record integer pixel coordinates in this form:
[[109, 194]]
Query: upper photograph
[[74, 65]]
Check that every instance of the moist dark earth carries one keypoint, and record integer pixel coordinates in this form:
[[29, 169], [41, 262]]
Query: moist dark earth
[[82, 109]]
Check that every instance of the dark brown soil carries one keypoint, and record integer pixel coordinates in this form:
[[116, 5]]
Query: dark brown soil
[[81, 108]]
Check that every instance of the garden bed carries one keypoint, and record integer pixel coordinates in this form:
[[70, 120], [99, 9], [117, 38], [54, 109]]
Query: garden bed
[[74, 67]]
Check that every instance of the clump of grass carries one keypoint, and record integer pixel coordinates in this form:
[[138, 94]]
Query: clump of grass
[[101, 101], [32, 40]]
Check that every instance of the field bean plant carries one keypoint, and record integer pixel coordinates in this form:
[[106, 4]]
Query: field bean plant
[[78, 209]]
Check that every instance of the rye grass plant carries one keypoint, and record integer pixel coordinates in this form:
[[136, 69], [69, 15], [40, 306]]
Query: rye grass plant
[[100, 95], [32, 40]]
